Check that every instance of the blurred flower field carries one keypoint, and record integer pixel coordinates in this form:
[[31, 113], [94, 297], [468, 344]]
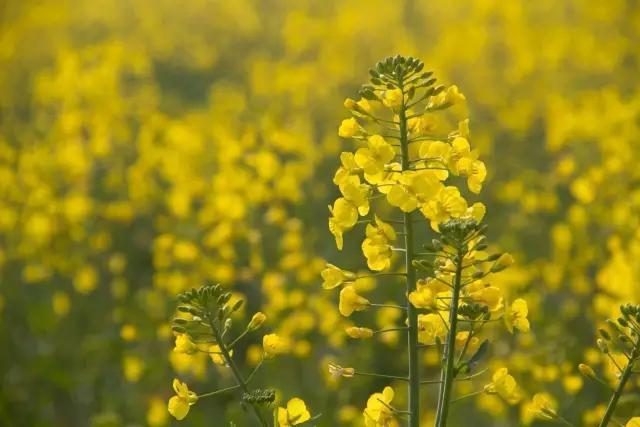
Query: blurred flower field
[[148, 148]]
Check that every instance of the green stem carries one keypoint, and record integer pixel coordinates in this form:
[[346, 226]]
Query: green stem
[[391, 377], [412, 313], [448, 372], [214, 393], [624, 378], [236, 372]]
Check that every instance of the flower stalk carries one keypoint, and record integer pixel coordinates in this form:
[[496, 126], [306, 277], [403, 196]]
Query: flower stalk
[[449, 370], [412, 314], [242, 383]]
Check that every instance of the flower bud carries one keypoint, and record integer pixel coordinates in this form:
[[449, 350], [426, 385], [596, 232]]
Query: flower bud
[[503, 262], [359, 333], [256, 321], [349, 104], [586, 370]]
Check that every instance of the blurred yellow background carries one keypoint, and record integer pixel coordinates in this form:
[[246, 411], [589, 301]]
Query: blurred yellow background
[[147, 147]]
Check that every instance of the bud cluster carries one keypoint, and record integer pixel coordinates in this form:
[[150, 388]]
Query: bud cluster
[[210, 310]]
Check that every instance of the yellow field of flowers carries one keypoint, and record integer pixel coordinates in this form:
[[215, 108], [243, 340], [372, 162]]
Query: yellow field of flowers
[[167, 256]]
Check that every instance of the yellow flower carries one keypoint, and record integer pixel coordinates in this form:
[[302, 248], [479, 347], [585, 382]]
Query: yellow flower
[[348, 128], [542, 406], [338, 371], [375, 155], [378, 412], [447, 204], [392, 98], [504, 385], [350, 301], [333, 276], [349, 104], [348, 167], [414, 189], [460, 150], [505, 261], [633, 422], [256, 321], [273, 345], [364, 105], [344, 216], [184, 344], [462, 337], [430, 327], [216, 355], [422, 297], [435, 151], [491, 296], [447, 98], [179, 404], [356, 332], [295, 413], [376, 246], [453, 95], [516, 316], [356, 193], [476, 173]]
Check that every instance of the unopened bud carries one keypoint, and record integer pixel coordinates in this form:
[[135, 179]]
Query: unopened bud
[[586, 370], [256, 321]]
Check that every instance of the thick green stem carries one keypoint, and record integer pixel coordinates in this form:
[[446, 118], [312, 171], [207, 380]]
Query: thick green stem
[[235, 371], [412, 314], [624, 378], [448, 371]]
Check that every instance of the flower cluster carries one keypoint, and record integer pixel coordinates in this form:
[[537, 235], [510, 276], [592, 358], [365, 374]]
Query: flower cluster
[[407, 157], [204, 324]]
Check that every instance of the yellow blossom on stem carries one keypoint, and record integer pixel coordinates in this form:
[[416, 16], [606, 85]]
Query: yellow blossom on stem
[[274, 345], [356, 332], [516, 316], [378, 412], [184, 344], [375, 155], [505, 261], [392, 98], [542, 406], [476, 173], [447, 204], [422, 297], [333, 276], [504, 385], [348, 167], [344, 216], [350, 301], [414, 189], [474, 342], [491, 296], [356, 193], [430, 327], [348, 128], [376, 246], [295, 413], [216, 355], [179, 404]]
